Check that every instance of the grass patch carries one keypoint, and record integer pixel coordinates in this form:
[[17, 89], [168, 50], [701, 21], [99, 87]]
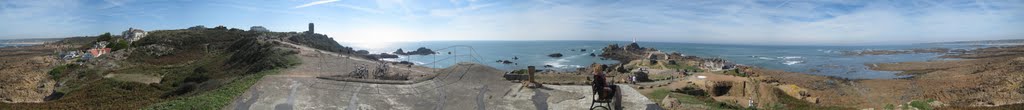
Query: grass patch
[[215, 99], [923, 105], [690, 100], [735, 72], [682, 67], [658, 94]]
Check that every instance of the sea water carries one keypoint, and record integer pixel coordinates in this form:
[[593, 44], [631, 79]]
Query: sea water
[[819, 60]]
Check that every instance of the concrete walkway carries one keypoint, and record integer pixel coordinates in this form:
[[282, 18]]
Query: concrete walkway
[[465, 86]]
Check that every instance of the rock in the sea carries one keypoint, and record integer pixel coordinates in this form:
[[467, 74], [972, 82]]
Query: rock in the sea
[[583, 50], [383, 55], [555, 55], [592, 55], [506, 62], [548, 66], [399, 52], [421, 51]]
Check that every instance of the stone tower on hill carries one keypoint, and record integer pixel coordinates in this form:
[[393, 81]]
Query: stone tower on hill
[[310, 28]]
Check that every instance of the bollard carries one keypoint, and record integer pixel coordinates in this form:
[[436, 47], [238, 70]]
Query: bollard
[[530, 70]]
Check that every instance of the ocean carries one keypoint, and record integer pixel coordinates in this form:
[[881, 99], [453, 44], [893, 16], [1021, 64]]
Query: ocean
[[819, 60]]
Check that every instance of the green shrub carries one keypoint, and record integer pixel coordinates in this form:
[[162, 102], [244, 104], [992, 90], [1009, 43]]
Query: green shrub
[[215, 99], [58, 71], [118, 45], [104, 37]]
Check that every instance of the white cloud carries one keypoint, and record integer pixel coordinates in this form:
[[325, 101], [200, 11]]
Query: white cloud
[[359, 8], [456, 11], [315, 3]]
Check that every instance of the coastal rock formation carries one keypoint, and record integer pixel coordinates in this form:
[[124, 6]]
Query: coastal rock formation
[[627, 53], [382, 55], [419, 51], [990, 77], [555, 55], [633, 47], [399, 52]]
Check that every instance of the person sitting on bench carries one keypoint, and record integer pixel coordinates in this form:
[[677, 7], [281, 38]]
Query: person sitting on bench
[[601, 86]]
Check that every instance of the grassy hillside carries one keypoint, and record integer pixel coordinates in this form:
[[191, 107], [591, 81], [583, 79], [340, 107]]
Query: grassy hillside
[[197, 69]]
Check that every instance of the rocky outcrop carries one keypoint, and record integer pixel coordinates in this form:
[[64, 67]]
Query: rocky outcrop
[[633, 47], [382, 55], [418, 51], [399, 52], [627, 53]]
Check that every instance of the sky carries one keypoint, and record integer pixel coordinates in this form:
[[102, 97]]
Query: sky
[[758, 22]]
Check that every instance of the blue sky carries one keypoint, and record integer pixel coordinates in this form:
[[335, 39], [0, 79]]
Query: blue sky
[[763, 22]]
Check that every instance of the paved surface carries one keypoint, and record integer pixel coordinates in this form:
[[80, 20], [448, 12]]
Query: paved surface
[[466, 86]]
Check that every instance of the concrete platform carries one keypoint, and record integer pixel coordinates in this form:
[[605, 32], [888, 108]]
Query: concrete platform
[[465, 86]]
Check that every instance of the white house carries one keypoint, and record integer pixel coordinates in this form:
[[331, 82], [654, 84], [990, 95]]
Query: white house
[[133, 34]]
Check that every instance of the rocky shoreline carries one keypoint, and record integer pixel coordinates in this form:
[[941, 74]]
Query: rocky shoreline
[[907, 51], [986, 77]]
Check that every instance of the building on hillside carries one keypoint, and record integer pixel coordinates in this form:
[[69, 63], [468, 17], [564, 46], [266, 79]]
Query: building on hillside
[[133, 34], [97, 52], [310, 28], [258, 29], [70, 55], [100, 44], [87, 56]]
